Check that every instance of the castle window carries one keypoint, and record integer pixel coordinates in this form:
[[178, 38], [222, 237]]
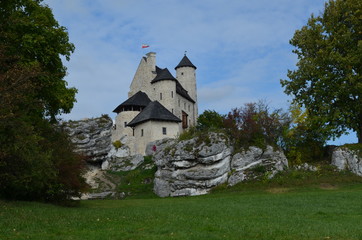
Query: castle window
[[172, 94], [164, 131], [179, 103], [189, 107], [125, 124], [185, 106], [182, 73], [160, 96], [141, 132]]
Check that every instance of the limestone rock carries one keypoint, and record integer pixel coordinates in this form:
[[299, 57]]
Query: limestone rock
[[92, 137], [126, 163], [254, 163], [195, 166], [191, 167], [306, 167], [346, 159]]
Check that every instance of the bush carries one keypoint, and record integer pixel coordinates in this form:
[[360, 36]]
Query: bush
[[117, 144]]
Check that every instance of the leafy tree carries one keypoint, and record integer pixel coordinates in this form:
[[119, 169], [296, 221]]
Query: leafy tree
[[303, 141], [255, 124], [210, 119], [30, 32], [37, 161], [328, 81]]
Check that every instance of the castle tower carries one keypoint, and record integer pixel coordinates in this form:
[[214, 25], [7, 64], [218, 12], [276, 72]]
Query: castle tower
[[127, 111], [146, 71], [186, 75], [164, 89]]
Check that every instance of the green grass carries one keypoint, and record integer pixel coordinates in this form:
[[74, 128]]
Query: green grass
[[317, 214], [137, 183], [294, 205]]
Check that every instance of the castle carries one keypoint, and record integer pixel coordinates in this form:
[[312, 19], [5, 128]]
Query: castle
[[158, 105]]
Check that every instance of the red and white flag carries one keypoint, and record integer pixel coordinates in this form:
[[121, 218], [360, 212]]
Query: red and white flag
[[145, 46]]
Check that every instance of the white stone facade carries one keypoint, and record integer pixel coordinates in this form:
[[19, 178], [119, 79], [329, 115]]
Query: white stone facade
[[178, 95]]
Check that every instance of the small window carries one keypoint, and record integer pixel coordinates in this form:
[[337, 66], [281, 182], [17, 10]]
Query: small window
[[189, 107], [171, 94], [185, 106], [132, 131], [164, 131], [125, 124], [141, 132], [179, 103], [160, 96], [182, 73]]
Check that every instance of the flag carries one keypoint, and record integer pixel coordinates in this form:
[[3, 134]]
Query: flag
[[145, 46]]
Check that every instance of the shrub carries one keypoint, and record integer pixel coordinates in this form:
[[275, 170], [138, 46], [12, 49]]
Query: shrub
[[117, 144]]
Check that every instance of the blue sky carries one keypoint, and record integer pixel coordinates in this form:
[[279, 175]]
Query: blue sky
[[241, 48]]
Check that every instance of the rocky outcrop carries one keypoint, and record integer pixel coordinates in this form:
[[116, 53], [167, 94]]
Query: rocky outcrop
[[255, 162], [195, 166], [347, 159], [124, 163], [92, 137]]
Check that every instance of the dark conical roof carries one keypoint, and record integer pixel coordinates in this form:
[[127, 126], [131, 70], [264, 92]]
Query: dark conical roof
[[163, 74], [140, 99], [154, 111], [185, 62]]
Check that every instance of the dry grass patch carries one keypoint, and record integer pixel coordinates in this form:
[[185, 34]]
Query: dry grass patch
[[327, 186], [278, 190]]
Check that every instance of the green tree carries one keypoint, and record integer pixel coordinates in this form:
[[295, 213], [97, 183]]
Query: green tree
[[303, 141], [37, 161], [328, 81], [29, 31], [210, 119]]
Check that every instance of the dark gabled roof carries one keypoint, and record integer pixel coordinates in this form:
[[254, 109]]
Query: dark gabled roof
[[185, 62], [153, 111], [158, 70], [140, 99], [163, 74], [181, 91]]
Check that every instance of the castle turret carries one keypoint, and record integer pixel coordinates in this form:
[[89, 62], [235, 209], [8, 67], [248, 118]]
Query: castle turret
[[186, 75], [164, 89], [127, 111]]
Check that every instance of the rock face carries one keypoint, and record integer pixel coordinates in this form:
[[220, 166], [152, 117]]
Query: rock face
[[346, 159], [122, 163], [92, 137], [255, 162], [195, 166]]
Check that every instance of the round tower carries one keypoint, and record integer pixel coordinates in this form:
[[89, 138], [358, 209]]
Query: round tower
[[164, 89], [186, 75], [126, 112]]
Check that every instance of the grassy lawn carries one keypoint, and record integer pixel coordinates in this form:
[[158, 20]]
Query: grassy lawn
[[299, 214], [293, 205]]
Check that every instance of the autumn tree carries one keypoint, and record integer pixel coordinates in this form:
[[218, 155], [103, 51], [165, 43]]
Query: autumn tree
[[328, 80], [255, 124]]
